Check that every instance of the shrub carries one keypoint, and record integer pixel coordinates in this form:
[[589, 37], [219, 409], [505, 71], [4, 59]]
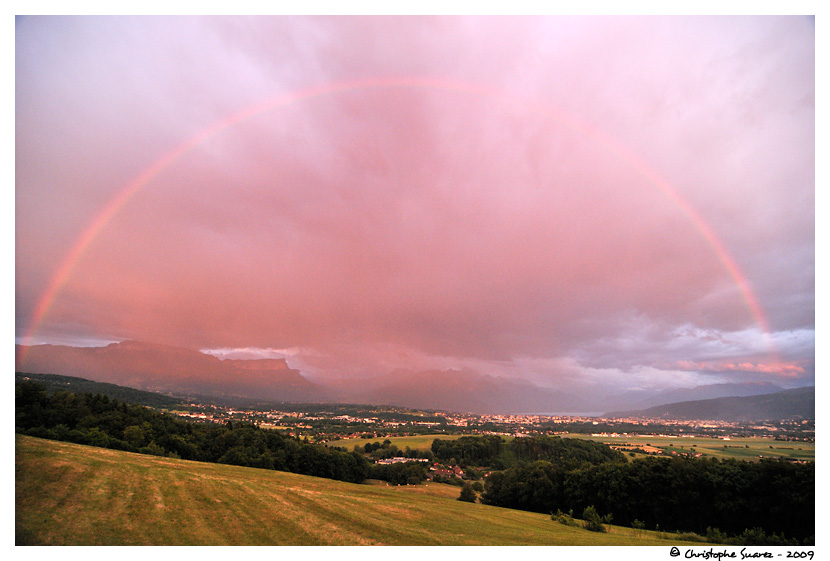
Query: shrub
[[467, 494], [593, 521], [562, 518]]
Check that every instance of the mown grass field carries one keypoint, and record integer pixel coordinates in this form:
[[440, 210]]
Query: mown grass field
[[67, 494]]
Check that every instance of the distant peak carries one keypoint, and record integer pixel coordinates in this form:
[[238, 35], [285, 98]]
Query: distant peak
[[130, 344], [133, 345]]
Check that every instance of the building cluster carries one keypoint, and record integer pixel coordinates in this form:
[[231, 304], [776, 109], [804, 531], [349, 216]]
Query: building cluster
[[399, 460], [323, 425]]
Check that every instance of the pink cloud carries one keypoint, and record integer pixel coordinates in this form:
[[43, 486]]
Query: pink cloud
[[782, 369], [455, 225]]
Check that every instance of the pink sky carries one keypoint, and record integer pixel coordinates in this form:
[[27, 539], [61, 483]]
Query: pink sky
[[425, 193]]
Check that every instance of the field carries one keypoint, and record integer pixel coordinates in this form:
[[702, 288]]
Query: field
[[67, 494], [739, 448], [419, 442]]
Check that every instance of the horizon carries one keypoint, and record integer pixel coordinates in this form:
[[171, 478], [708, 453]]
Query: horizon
[[234, 356], [584, 203]]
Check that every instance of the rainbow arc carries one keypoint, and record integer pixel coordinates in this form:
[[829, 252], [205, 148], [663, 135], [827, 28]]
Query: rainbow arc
[[126, 193]]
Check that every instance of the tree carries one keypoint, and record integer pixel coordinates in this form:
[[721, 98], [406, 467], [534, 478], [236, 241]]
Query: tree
[[593, 521], [135, 435], [467, 493]]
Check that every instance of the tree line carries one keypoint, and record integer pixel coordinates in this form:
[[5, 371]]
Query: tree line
[[769, 501], [707, 496], [97, 420], [386, 449], [56, 382], [493, 451]]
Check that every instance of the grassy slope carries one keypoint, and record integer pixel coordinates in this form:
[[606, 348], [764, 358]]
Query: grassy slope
[[71, 494]]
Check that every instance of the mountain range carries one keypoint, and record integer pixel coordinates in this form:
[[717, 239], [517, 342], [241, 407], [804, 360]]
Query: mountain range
[[169, 369], [643, 399], [785, 404], [180, 371]]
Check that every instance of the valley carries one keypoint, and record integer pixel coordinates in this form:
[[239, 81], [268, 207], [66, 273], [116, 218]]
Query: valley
[[490, 458], [63, 489]]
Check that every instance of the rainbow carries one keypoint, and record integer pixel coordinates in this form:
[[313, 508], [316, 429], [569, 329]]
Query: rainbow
[[158, 167]]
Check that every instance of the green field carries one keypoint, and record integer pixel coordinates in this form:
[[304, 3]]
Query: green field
[[67, 494], [419, 442], [751, 448], [739, 448]]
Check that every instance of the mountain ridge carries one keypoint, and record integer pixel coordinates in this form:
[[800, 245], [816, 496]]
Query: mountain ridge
[[170, 369], [158, 367], [151, 366], [785, 404], [644, 399]]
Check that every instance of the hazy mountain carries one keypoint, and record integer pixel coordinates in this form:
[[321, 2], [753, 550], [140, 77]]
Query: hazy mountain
[[644, 399], [168, 369], [460, 390], [786, 404], [164, 368]]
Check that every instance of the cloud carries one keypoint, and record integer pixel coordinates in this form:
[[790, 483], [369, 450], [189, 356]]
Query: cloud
[[479, 214], [783, 370]]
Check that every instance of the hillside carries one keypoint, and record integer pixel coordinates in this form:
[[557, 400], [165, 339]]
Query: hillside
[[787, 404], [67, 494], [54, 383], [645, 399]]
